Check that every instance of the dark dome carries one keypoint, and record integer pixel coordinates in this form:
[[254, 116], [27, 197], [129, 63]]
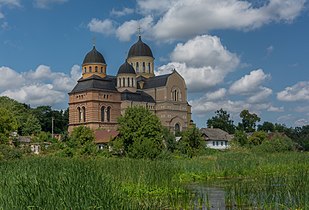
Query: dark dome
[[94, 57], [140, 49], [126, 68]]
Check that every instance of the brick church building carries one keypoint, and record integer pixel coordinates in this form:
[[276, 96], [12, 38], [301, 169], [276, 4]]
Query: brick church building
[[99, 99]]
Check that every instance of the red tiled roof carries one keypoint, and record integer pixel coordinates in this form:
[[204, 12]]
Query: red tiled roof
[[104, 136]]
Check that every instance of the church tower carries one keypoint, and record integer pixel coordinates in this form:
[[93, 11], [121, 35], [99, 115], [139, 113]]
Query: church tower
[[94, 64], [141, 58]]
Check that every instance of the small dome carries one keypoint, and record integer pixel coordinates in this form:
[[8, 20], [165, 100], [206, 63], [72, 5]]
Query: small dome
[[126, 68], [140, 49], [94, 57]]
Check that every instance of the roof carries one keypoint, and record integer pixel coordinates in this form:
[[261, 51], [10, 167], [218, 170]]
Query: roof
[[140, 49], [104, 136], [94, 56], [153, 82], [95, 82], [137, 96], [126, 68], [215, 134]]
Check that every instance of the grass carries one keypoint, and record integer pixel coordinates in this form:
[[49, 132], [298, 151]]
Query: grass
[[251, 180]]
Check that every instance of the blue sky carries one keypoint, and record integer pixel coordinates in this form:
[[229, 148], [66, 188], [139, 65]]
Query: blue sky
[[233, 54]]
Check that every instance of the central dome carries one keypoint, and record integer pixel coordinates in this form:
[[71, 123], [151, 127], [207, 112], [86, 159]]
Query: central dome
[[94, 56], [140, 49]]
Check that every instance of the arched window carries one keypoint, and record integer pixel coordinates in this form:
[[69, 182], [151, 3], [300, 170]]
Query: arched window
[[79, 112], [144, 67], [128, 82], [96, 69], [85, 69], [123, 82], [132, 82], [175, 95], [119, 82], [149, 69], [108, 114], [137, 67], [102, 113], [90, 69], [177, 129], [101, 69], [84, 114]]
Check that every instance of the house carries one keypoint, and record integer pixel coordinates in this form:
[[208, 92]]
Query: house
[[102, 137], [216, 138]]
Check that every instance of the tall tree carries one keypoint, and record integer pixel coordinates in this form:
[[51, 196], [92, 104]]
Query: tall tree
[[141, 133], [8, 124], [248, 121], [267, 127], [222, 120]]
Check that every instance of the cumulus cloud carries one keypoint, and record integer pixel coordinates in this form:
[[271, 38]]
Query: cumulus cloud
[[203, 61], [249, 83], [12, 3], [185, 18], [127, 29], [261, 95], [297, 92], [39, 87], [101, 26], [44, 4], [123, 12], [216, 95]]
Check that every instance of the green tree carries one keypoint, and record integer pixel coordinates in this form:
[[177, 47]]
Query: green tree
[[257, 138], [240, 137], [8, 124], [248, 121], [191, 141], [222, 120], [267, 127], [31, 126], [80, 136], [140, 131]]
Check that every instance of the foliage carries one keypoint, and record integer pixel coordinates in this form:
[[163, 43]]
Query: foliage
[[140, 131], [81, 135], [240, 137], [267, 127], [169, 140], [248, 121], [222, 120], [8, 124], [278, 143], [9, 153], [257, 138], [191, 142], [31, 126]]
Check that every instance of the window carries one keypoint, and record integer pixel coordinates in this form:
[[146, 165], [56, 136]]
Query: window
[[123, 82], [102, 113], [144, 67], [217, 143], [137, 67], [177, 129], [221, 143], [101, 69], [149, 68], [128, 82], [96, 69], [119, 82], [79, 112], [84, 114], [213, 143], [132, 82], [90, 69], [85, 69], [108, 114]]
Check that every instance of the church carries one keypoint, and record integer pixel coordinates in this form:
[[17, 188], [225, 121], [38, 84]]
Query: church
[[98, 98]]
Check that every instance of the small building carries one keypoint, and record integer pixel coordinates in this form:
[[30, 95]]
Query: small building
[[102, 137], [216, 138]]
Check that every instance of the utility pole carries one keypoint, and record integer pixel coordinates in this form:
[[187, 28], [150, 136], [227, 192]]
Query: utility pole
[[52, 127]]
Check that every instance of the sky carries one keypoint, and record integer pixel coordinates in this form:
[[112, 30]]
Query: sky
[[233, 54]]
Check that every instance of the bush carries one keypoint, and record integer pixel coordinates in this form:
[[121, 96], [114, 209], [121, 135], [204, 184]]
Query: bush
[[278, 143], [9, 153]]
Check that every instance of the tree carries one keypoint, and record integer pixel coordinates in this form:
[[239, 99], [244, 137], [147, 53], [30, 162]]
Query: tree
[[240, 137], [80, 136], [222, 120], [8, 124], [191, 141], [140, 131], [257, 138], [248, 122], [31, 126], [267, 127]]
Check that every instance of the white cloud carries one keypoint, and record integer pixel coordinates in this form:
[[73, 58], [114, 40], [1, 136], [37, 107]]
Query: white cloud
[[185, 18], [260, 96], [216, 95], [297, 92], [203, 61], [301, 122], [44, 4], [101, 26], [249, 83], [275, 109], [203, 51], [127, 29], [40, 87], [9, 78], [12, 3], [123, 12], [154, 6]]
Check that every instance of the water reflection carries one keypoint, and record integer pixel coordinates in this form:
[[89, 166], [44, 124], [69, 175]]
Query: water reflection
[[209, 197]]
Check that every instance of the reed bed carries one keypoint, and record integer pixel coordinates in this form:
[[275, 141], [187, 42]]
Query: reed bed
[[249, 180]]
